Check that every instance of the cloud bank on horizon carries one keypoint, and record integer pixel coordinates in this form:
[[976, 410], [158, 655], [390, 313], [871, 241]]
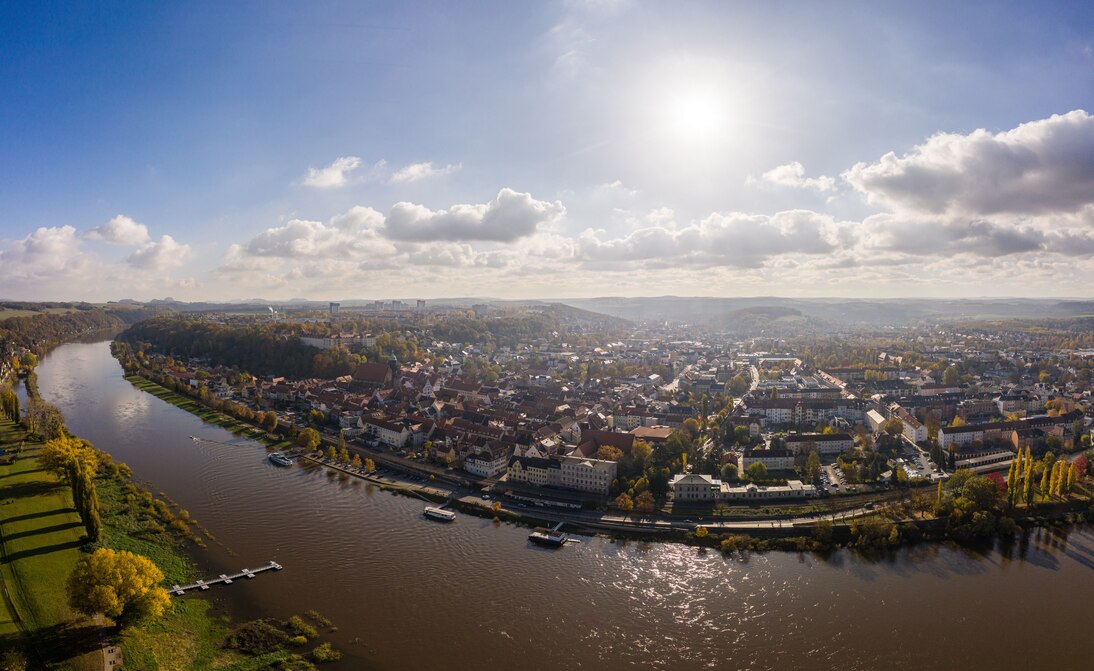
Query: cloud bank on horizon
[[586, 159]]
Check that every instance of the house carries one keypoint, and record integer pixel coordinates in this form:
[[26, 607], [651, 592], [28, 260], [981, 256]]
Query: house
[[542, 472], [392, 434], [487, 462]]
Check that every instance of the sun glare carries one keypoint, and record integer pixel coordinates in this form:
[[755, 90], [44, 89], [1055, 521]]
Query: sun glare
[[696, 115]]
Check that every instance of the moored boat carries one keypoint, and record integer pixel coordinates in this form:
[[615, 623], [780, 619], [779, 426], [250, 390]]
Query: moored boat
[[280, 459], [439, 514], [548, 537]]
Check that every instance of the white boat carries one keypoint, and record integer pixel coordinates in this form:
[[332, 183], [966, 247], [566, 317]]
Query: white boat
[[439, 514], [549, 537], [280, 459]]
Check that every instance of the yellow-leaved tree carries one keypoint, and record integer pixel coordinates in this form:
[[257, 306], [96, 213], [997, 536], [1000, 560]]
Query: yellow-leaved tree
[[120, 584]]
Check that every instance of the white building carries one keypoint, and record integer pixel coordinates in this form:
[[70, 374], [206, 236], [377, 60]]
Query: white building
[[588, 475]]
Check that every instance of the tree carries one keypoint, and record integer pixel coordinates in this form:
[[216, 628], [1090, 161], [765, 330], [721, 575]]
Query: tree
[[332, 454], [756, 471], [370, 465], [609, 453], [119, 584], [957, 421], [355, 461], [691, 425], [813, 467], [701, 532], [644, 502], [1072, 476], [951, 376], [269, 422], [729, 472], [893, 427], [624, 503], [309, 439]]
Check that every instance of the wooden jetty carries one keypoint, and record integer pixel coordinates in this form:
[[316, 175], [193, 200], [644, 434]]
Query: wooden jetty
[[224, 579]]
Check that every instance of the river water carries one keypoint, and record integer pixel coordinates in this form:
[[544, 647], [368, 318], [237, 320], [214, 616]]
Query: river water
[[407, 593]]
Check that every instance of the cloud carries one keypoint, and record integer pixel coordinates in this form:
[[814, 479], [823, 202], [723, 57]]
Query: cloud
[[733, 240], [1040, 167], [510, 216], [159, 255], [419, 171], [334, 175], [121, 230], [793, 175], [351, 234], [44, 252]]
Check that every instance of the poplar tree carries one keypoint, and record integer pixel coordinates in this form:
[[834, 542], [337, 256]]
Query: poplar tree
[[1072, 475], [1012, 477], [1046, 479]]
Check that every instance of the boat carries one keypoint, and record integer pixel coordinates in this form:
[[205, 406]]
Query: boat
[[549, 537], [280, 459], [439, 514]]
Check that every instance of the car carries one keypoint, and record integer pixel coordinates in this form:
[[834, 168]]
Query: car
[[485, 497]]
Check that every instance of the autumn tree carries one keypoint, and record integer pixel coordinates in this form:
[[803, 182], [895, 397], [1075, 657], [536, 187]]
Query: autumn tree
[[624, 503], [309, 439], [644, 502], [756, 471], [609, 453], [370, 465], [813, 467], [119, 584]]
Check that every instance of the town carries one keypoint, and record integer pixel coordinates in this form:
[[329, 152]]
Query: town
[[551, 406]]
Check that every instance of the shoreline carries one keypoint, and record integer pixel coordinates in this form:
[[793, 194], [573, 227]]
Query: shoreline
[[782, 532]]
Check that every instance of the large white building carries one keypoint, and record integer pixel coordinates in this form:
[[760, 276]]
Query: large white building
[[588, 475], [696, 488]]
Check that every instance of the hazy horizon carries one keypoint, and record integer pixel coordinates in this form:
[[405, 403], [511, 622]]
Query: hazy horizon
[[529, 151]]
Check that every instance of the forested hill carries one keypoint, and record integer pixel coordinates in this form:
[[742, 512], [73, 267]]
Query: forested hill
[[41, 327], [256, 349]]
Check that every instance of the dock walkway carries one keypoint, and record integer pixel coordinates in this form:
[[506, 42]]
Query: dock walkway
[[224, 579]]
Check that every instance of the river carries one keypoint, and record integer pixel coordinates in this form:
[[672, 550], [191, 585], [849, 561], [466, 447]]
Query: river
[[407, 593]]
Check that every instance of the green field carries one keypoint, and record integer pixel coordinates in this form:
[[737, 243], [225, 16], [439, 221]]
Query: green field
[[41, 539], [5, 313]]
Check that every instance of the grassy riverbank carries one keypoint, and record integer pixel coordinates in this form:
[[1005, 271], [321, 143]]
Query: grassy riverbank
[[41, 540], [195, 407]]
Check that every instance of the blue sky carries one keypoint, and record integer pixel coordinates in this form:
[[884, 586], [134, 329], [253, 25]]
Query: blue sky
[[366, 150]]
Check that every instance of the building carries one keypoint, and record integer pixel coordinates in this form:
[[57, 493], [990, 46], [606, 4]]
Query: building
[[697, 488], [826, 444], [487, 462], [588, 475], [773, 460], [542, 472], [335, 308], [392, 434]]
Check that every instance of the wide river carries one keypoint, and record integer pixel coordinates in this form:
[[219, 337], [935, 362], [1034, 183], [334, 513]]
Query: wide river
[[407, 593]]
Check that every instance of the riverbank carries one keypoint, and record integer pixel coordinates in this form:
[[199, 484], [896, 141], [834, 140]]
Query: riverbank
[[41, 539]]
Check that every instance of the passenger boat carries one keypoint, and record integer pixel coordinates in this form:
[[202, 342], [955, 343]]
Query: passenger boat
[[548, 537], [439, 514], [280, 459]]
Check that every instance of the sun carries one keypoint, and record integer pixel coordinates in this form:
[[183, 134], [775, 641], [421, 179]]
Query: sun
[[695, 114]]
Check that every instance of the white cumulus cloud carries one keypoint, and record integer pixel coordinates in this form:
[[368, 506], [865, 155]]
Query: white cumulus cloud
[[334, 175], [1040, 167], [510, 216], [793, 175], [159, 255], [121, 230]]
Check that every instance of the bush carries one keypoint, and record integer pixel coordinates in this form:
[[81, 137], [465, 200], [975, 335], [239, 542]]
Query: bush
[[318, 618], [298, 641], [301, 628], [735, 543], [257, 637], [325, 653]]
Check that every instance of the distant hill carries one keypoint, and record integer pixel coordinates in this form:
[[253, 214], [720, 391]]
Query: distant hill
[[723, 312]]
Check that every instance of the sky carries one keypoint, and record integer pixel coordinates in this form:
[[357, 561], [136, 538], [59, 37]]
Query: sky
[[342, 150]]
